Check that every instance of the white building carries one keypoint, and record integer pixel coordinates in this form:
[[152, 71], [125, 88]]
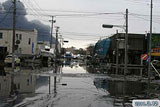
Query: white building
[[27, 38]]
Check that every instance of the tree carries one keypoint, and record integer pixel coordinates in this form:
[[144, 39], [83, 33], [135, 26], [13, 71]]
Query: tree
[[90, 49]]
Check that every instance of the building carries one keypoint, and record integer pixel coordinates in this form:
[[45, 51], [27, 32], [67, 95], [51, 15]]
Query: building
[[112, 50], [25, 41], [155, 47], [137, 45]]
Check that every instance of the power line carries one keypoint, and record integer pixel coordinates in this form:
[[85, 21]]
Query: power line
[[138, 16], [81, 39], [30, 7], [141, 2], [69, 11], [81, 34], [33, 12], [93, 14], [62, 15], [38, 6], [75, 12], [144, 15]]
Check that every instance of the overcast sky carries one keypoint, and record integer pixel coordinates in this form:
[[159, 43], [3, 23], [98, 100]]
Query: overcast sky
[[83, 29]]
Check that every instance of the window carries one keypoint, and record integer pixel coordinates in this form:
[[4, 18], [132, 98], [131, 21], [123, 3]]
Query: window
[[18, 87], [19, 50], [27, 81], [29, 41], [1, 35], [16, 36], [20, 36]]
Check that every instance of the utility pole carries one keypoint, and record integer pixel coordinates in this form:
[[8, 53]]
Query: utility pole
[[52, 21], [56, 46], [126, 44], [61, 40], [13, 45], [150, 43], [14, 31], [61, 43], [117, 53]]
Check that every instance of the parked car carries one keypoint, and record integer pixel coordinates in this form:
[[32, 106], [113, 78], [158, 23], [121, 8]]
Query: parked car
[[8, 59]]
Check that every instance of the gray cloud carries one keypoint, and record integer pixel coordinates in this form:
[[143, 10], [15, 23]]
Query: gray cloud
[[6, 10]]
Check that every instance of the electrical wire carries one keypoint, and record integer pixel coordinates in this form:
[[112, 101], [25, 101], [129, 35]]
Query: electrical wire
[[140, 17], [141, 2], [33, 12], [75, 12]]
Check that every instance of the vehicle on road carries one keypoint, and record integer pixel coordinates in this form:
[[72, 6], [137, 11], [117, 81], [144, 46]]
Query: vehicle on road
[[8, 59], [68, 56]]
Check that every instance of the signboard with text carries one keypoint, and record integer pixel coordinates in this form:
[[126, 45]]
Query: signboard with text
[[155, 47]]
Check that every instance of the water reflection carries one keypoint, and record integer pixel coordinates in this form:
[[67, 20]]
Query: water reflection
[[47, 86], [13, 84], [123, 92], [98, 69], [21, 83], [5, 84]]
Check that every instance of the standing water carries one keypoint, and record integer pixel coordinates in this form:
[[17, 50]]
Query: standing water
[[69, 85]]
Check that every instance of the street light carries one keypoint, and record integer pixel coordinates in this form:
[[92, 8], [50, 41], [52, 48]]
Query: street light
[[126, 38], [111, 26], [107, 26], [65, 41]]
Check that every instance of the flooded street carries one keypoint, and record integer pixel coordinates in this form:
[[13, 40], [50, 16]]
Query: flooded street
[[79, 53], [69, 85]]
